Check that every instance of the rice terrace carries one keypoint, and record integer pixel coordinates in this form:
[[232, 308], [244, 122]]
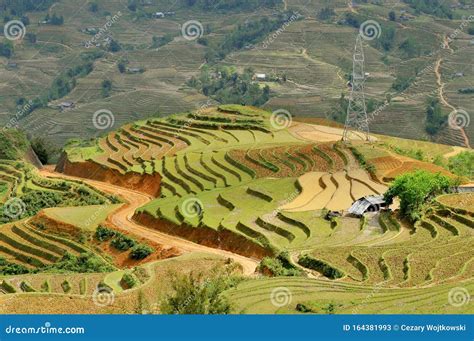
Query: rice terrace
[[273, 158]]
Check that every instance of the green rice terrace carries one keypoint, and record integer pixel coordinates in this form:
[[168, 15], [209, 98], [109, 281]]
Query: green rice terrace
[[227, 186]]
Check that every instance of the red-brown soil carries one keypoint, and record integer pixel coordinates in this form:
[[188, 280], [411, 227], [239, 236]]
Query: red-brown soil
[[224, 239], [146, 183]]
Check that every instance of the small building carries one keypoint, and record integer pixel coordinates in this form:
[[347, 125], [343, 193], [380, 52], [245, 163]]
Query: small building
[[66, 105], [261, 76], [459, 74], [468, 188], [158, 15], [12, 65], [369, 203], [135, 70]]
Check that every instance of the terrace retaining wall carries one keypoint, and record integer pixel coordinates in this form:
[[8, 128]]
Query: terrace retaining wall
[[145, 183], [223, 239]]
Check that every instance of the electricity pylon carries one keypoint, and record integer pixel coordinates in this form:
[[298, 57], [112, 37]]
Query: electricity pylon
[[356, 119]]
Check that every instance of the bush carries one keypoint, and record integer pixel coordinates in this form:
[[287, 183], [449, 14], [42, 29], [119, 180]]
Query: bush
[[45, 287], [197, 294], [140, 251], [122, 242], [103, 233], [66, 286], [279, 266], [320, 266], [26, 287], [128, 281], [85, 262]]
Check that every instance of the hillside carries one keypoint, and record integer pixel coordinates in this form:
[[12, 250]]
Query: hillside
[[188, 157], [228, 183], [304, 49]]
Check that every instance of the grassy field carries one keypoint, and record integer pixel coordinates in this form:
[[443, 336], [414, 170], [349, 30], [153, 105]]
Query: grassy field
[[154, 283], [86, 217], [282, 295]]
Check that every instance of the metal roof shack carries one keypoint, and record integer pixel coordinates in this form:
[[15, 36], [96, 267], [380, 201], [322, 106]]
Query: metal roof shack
[[370, 203]]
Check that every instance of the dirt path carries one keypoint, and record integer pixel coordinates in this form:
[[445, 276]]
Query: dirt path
[[122, 219], [304, 53], [443, 99]]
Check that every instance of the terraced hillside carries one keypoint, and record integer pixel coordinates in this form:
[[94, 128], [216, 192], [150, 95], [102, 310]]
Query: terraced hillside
[[24, 192], [231, 181]]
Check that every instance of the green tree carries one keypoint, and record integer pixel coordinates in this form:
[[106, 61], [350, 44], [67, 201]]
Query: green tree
[[462, 164], [6, 49], [435, 119], [93, 7], [106, 87], [392, 16], [114, 46], [415, 191]]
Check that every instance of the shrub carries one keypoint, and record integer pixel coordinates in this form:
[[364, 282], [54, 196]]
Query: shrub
[[320, 266], [195, 294], [26, 287], [140, 251], [279, 266], [85, 262], [45, 287], [66, 286], [128, 281], [122, 242], [103, 233], [7, 287]]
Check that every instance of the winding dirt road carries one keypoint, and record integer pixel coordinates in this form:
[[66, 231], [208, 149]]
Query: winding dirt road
[[122, 219]]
